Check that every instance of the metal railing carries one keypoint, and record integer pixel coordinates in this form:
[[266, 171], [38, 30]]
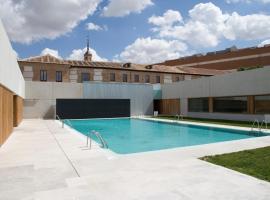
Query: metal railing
[[254, 123], [101, 139], [179, 116], [263, 123], [57, 117]]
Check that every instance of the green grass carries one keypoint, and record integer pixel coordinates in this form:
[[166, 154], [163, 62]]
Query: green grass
[[254, 162], [213, 121]]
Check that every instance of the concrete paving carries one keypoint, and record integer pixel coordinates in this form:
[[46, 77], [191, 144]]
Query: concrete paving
[[43, 161]]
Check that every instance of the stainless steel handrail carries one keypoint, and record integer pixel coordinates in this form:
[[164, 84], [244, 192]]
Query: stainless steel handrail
[[103, 142], [178, 116], [254, 123], [57, 117], [263, 122]]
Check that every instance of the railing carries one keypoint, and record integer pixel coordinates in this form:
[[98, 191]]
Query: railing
[[57, 117], [101, 139], [179, 116], [254, 123], [263, 123]]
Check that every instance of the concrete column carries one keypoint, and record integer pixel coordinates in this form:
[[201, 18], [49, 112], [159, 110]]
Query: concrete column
[[184, 106], [211, 104], [28, 73]]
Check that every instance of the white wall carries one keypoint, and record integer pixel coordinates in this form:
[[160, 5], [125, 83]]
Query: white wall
[[140, 95], [40, 97], [251, 82], [10, 74]]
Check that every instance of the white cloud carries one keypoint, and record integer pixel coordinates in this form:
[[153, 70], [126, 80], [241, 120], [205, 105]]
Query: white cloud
[[120, 8], [77, 54], [52, 52], [148, 50], [94, 27], [207, 25], [31, 20], [265, 42], [168, 19]]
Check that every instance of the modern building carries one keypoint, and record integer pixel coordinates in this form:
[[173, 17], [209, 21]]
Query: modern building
[[228, 59], [11, 88], [52, 69]]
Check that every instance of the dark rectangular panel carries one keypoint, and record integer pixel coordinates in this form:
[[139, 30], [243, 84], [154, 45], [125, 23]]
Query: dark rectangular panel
[[92, 108]]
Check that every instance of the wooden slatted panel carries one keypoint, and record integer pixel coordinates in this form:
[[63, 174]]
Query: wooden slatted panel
[[6, 114], [17, 110], [167, 106]]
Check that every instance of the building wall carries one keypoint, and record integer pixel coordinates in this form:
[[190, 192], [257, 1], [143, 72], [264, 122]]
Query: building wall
[[249, 57], [6, 114], [40, 97], [11, 87], [31, 71], [140, 95], [245, 83]]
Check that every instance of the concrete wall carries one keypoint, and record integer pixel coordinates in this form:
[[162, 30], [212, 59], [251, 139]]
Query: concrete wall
[[40, 97], [141, 95], [251, 82], [10, 74]]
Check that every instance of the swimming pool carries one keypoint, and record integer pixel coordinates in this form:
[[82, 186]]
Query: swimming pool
[[128, 135]]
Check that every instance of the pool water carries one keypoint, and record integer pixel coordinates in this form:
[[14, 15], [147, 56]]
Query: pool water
[[127, 135]]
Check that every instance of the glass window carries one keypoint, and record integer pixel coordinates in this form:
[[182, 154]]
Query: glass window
[[112, 76], [43, 75], [125, 78], [157, 79], [262, 104], [136, 78], [147, 79], [85, 77], [58, 77], [230, 104], [198, 105]]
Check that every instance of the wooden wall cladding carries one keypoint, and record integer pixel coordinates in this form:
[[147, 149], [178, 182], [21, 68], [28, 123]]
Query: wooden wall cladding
[[17, 110], [167, 106], [6, 114]]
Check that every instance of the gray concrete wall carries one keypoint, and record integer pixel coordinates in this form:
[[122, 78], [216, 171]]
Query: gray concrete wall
[[40, 97], [251, 82], [140, 95], [10, 73]]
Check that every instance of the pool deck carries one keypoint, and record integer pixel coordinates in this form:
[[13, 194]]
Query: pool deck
[[41, 161]]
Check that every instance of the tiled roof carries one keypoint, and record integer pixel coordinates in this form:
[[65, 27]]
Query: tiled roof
[[114, 65]]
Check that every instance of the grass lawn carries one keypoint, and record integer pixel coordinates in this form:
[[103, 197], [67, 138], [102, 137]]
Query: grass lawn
[[255, 162], [213, 121]]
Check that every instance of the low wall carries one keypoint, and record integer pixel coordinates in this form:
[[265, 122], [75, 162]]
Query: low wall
[[40, 97], [140, 95]]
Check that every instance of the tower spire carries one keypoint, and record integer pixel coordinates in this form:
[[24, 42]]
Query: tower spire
[[87, 54]]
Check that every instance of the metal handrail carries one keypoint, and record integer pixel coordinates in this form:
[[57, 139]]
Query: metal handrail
[[68, 121], [254, 123], [178, 116], [103, 142], [263, 122], [57, 117]]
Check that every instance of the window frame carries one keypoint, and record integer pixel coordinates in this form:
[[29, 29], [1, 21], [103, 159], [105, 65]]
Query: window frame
[[57, 73], [112, 77], [43, 75]]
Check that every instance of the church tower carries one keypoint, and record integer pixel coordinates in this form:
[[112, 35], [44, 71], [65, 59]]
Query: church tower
[[87, 54]]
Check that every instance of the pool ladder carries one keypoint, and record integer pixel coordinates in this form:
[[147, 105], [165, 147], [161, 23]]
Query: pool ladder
[[259, 126], [63, 121], [101, 139]]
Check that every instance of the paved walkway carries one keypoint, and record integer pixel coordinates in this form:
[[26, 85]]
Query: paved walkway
[[43, 161]]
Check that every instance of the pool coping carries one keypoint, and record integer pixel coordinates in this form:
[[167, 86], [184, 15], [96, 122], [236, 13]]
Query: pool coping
[[242, 144]]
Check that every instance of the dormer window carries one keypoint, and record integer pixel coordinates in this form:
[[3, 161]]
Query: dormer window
[[127, 65]]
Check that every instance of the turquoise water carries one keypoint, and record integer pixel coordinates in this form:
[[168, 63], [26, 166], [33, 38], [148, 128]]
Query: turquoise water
[[134, 135]]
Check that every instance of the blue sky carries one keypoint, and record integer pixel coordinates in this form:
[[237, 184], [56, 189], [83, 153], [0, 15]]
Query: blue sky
[[131, 36]]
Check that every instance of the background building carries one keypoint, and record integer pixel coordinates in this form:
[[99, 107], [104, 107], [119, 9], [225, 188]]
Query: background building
[[231, 58]]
